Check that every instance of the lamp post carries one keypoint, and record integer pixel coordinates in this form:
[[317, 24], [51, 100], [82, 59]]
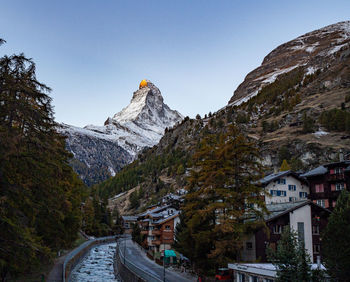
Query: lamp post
[[164, 267], [124, 249]]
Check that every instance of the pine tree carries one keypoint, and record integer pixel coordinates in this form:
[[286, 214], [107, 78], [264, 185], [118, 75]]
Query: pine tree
[[40, 195], [285, 166], [221, 194], [290, 259], [336, 240]]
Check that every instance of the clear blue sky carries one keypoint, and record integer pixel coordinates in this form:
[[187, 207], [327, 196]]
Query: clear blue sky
[[93, 54]]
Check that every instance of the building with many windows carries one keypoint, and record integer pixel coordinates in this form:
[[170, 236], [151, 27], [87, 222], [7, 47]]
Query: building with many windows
[[327, 181], [305, 217], [284, 186]]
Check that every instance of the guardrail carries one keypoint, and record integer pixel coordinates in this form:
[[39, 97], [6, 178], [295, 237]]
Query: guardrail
[[134, 268], [74, 256]]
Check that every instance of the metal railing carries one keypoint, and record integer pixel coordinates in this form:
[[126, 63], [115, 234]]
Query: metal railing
[[134, 268]]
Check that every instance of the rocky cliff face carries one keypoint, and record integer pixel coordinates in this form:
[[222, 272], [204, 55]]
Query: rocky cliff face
[[314, 50], [101, 151]]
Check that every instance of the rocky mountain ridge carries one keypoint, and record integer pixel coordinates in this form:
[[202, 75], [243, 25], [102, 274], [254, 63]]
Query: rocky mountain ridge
[[101, 151], [314, 51]]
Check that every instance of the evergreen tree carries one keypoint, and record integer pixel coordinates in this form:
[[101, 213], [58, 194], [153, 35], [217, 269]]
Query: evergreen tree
[[336, 240], [40, 195], [285, 166], [290, 259], [221, 194]]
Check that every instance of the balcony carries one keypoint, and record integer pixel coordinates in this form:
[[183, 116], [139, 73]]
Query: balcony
[[335, 177], [156, 232], [156, 242]]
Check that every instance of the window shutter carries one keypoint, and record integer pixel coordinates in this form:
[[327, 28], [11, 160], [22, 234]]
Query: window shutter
[[332, 187], [326, 203]]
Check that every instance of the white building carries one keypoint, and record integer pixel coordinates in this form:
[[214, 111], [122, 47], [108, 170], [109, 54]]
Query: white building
[[284, 186], [258, 272]]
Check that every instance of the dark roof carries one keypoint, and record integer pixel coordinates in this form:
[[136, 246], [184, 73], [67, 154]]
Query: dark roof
[[166, 218], [272, 177], [279, 209], [316, 171], [338, 163], [129, 218]]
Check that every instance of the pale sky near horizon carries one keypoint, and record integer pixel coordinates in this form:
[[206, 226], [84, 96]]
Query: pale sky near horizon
[[93, 54]]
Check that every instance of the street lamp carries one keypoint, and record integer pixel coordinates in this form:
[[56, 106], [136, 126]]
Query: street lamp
[[124, 249]]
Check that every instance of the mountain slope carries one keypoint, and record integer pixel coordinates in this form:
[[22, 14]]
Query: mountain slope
[[314, 50], [283, 117], [101, 151]]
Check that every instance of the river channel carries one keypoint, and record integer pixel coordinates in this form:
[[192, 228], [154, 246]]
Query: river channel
[[97, 265]]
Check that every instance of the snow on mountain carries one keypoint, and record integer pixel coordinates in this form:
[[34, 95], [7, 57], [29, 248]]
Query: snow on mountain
[[314, 50], [141, 124]]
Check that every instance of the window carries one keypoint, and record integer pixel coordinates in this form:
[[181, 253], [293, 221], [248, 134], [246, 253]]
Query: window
[[167, 227], [301, 235], [302, 194], [278, 193], [241, 277], [249, 245], [338, 170], [321, 203], [317, 248], [315, 229], [339, 186], [277, 229], [292, 187], [292, 199], [319, 188], [281, 181], [254, 279]]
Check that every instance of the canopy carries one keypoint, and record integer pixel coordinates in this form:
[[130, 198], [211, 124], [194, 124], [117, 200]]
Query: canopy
[[169, 253]]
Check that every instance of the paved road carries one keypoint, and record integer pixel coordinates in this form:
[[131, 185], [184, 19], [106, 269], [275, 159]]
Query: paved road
[[134, 255]]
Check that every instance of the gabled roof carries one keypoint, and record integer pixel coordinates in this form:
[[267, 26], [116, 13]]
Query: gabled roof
[[166, 218], [272, 177], [316, 171], [129, 218], [277, 210]]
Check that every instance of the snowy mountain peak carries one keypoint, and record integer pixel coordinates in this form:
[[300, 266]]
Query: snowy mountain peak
[[141, 124], [140, 99]]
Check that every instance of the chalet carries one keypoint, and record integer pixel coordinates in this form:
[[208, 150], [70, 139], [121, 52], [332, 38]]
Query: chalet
[[128, 221], [158, 226], [305, 217], [327, 181], [284, 186]]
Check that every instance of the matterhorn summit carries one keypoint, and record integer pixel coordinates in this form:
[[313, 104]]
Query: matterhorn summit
[[109, 147]]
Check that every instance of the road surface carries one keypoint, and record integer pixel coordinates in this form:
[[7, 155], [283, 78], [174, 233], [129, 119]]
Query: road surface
[[134, 255]]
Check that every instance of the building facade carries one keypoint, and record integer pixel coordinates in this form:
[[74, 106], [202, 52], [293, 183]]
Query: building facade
[[304, 217], [284, 186], [327, 181]]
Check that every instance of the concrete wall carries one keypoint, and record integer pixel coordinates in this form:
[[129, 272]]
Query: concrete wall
[[303, 215], [74, 257]]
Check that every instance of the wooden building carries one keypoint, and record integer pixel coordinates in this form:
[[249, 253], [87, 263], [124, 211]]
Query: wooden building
[[327, 181], [305, 217]]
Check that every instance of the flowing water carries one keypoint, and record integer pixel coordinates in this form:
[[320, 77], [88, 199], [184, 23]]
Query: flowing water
[[97, 265]]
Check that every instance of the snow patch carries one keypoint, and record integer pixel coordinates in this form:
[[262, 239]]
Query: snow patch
[[320, 133]]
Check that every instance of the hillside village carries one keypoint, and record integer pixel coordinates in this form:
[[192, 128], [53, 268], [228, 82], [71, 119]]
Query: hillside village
[[301, 200]]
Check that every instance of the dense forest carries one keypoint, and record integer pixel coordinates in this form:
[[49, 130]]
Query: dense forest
[[40, 195]]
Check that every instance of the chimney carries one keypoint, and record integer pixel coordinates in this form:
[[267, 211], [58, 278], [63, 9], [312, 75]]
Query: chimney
[[275, 169], [341, 155]]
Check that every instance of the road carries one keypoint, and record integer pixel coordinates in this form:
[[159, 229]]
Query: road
[[137, 257]]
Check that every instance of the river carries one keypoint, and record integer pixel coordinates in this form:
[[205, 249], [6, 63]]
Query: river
[[97, 265]]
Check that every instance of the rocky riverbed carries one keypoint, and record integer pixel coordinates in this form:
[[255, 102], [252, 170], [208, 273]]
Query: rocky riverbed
[[97, 265]]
